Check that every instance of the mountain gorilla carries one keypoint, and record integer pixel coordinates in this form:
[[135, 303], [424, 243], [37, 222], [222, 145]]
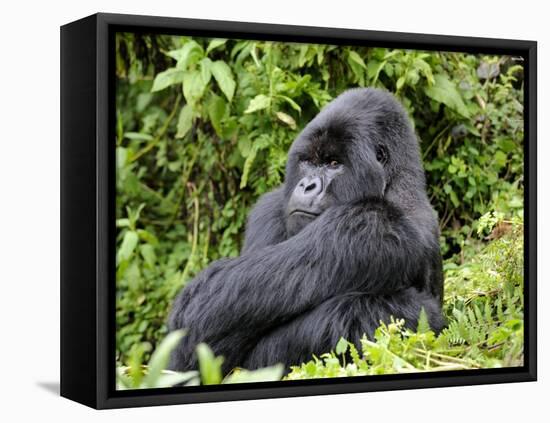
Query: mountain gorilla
[[349, 240]]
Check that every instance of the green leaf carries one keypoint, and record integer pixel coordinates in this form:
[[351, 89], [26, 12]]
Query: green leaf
[[354, 57], [193, 86], [129, 243], [291, 102], [507, 145], [400, 82], [425, 69], [169, 378], [266, 374], [214, 44], [170, 76], [445, 91], [148, 254], [138, 136], [341, 346], [206, 72], [500, 159], [454, 198], [121, 157], [122, 222], [216, 111], [224, 78], [147, 237], [373, 68], [190, 53], [185, 121], [245, 145], [259, 102], [159, 359], [289, 120], [210, 366]]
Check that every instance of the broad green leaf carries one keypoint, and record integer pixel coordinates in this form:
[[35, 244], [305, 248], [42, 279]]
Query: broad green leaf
[[170, 76], [214, 44], [266, 374], [206, 72], [190, 53], [289, 120], [129, 243], [373, 68], [143, 101], [193, 86], [216, 112], [354, 57], [425, 69], [357, 66], [123, 222], [445, 91], [259, 102], [185, 121], [121, 157], [147, 237], [210, 366], [168, 378], [244, 145], [148, 253], [454, 198], [161, 356], [341, 346], [507, 145], [224, 78], [500, 159], [400, 82]]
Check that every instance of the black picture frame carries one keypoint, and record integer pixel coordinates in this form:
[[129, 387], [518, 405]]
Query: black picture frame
[[88, 223]]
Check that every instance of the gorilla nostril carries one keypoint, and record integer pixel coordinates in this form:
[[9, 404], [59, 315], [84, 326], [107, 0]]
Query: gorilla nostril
[[310, 187]]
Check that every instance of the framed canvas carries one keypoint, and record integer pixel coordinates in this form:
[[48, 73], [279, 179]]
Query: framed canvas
[[258, 211]]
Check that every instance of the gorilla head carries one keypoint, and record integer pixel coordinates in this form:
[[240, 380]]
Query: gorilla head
[[361, 146]]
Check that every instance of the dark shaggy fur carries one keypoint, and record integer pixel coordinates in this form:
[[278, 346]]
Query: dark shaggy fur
[[372, 253]]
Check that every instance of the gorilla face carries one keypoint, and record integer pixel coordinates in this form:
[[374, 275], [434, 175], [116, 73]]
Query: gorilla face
[[313, 193], [337, 159]]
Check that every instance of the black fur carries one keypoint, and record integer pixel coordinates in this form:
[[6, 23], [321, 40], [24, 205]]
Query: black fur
[[371, 254]]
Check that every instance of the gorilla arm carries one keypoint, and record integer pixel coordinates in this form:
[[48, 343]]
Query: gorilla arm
[[369, 247], [266, 223]]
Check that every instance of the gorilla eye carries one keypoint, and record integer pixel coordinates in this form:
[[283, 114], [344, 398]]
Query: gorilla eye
[[381, 154]]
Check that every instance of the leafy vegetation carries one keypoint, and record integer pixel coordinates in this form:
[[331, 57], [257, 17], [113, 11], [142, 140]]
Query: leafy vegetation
[[154, 375], [203, 129]]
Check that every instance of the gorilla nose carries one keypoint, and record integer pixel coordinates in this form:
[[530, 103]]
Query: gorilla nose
[[310, 186]]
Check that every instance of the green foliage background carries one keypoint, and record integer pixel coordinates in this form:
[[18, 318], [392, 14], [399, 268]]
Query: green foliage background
[[203, 129]]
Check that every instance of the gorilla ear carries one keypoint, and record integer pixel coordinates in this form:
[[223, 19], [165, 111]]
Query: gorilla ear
[[382, 154]]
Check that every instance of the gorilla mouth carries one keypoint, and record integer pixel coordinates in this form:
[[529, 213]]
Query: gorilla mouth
[[298, 212]]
